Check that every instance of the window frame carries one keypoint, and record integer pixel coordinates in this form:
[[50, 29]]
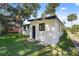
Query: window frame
[[42, 27]]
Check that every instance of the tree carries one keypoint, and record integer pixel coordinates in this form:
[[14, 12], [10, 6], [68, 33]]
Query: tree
[[20, 11], [5, 22], [75, 28], [71, 17], [43, 14], [51, 8], [23, 10]]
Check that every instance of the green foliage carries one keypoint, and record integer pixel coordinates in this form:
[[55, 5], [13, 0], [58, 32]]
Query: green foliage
[[72, 17], [74, 29], [16, 12], [67, 45], [13, 45], [51, 8], [24, 10], [19, 11], [4, 22]]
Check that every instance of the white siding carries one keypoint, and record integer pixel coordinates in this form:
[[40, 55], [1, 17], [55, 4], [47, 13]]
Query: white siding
[[25, 32], [58, 32], [50, 35]]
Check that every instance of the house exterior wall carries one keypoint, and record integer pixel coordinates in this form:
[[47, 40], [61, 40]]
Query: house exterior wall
[[25, 31], [58, 31], [13, 29], [50, 35]]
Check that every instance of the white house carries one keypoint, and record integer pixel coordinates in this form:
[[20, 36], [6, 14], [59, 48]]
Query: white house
[[46, 30], [25, 28]]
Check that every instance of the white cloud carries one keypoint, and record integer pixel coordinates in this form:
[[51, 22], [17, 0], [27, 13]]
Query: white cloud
[[62, 18], [63, 8], [77, 4]]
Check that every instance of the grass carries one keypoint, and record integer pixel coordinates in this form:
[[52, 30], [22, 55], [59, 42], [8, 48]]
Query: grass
[[76, 33], [67, 45], [13, 45]]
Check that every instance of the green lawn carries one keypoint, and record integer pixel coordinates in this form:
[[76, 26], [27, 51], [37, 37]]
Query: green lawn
[[13, 45], [67, 46]]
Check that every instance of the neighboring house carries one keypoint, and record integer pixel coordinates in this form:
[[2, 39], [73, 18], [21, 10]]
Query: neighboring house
[[26, 28], [9, 24], [46, 30], [13, 27]]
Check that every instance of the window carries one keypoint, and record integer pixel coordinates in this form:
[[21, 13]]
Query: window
[[42, 27]]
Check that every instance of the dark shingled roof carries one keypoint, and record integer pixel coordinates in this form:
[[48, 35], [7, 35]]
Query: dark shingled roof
[[50, 17]]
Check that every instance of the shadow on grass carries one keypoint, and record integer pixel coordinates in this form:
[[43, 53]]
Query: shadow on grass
[[67, 45], [11, 45], [65, 41]]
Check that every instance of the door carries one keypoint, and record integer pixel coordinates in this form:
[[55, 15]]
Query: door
[[33, 32]]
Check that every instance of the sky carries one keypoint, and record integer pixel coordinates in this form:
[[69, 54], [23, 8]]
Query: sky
[[62, 11]]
